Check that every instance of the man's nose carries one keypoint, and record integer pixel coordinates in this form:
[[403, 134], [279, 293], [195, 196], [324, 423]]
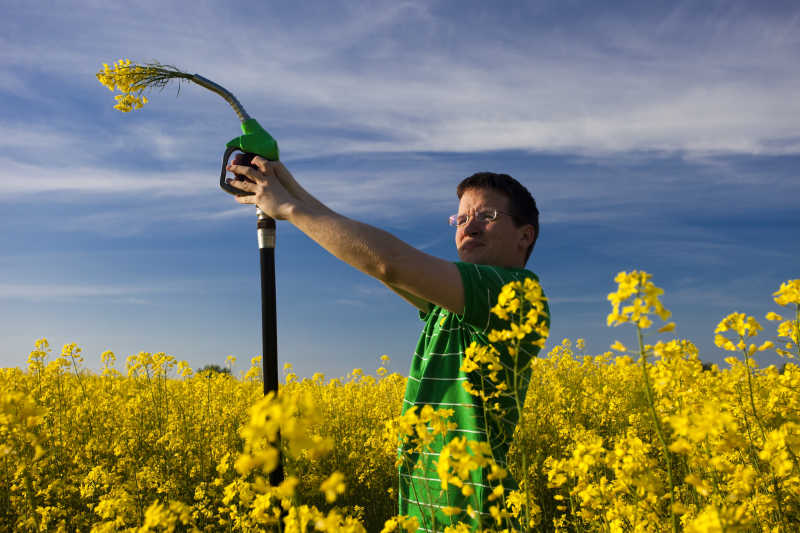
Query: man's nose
[[472, 226]]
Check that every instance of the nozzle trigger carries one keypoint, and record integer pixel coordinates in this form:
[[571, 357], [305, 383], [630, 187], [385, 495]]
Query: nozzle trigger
[[246, 159]]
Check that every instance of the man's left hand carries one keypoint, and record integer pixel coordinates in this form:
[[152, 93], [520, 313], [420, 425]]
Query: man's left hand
[[268, 192]]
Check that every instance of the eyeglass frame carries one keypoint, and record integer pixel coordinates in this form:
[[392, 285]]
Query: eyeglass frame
[[453, 220]]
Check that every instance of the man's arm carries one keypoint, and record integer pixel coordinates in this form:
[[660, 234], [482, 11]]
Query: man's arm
[[415, 275]]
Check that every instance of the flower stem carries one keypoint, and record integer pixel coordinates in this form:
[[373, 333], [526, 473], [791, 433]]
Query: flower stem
[[659, 429]]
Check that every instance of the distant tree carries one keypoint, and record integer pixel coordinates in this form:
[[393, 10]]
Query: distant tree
[[707, 367], [214, 368]]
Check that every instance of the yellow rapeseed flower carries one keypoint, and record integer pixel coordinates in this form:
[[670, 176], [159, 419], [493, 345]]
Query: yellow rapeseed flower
[[789, 292], [333, 486], [642, 298], [132, 79]]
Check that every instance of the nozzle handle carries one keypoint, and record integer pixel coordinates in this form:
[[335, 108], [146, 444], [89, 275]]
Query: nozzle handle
[[225, 160]]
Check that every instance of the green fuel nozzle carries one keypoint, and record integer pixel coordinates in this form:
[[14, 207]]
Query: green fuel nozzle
[[254, 140]]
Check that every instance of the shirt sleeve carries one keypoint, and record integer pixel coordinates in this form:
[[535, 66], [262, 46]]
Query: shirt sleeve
[[482, 286]]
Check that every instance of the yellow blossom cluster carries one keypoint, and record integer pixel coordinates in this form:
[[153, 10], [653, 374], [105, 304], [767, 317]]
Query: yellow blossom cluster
[[743, 326], [132, 79], [522, 305], [419, 428], [642, 298], [488, 358], [128, 79], [788, 295], [604, 442], [502, 366]]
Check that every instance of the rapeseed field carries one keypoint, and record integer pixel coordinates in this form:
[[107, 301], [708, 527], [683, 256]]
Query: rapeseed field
[[643, 439]]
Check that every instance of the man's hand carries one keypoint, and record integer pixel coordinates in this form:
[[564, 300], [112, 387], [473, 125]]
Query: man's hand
[[269, 193]]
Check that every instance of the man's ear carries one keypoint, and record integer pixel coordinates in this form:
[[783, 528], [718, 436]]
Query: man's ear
[[527, 234]]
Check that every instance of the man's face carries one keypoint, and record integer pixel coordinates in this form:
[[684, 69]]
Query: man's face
[[498, 242]]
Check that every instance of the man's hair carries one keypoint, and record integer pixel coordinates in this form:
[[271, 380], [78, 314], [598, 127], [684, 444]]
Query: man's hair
[[521, 203]]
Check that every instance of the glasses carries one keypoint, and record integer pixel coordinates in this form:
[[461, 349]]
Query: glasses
[[483, 216]]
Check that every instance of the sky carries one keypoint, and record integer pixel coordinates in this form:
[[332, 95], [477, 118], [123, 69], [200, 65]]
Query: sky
[[657, 136]]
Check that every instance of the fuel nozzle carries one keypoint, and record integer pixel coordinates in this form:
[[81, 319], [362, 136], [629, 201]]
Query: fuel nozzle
[[254, 141]]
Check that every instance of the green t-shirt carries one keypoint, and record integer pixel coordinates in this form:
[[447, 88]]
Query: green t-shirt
[[436, 379]]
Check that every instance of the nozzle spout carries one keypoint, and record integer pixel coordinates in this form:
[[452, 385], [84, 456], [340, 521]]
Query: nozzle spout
[[224, 93]]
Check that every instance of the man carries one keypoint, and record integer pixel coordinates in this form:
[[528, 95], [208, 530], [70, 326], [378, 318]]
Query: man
[[496, 229]]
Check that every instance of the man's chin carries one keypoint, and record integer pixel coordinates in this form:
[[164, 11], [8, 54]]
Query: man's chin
[[478, 256], [472, 255]]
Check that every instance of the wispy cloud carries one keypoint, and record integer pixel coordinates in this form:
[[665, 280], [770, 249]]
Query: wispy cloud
[[45, 292], [21, 179], [680, 77], [608, 87], [365, 295]]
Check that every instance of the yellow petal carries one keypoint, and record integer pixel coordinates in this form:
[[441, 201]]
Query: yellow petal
[[667, 327]]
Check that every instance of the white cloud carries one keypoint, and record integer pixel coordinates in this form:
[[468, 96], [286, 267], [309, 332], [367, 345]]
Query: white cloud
[[404, 77], [409, 76], [27, 178], [44, 292]]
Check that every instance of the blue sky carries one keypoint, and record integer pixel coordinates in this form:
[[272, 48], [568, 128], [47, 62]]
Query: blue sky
[[662, 136]]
